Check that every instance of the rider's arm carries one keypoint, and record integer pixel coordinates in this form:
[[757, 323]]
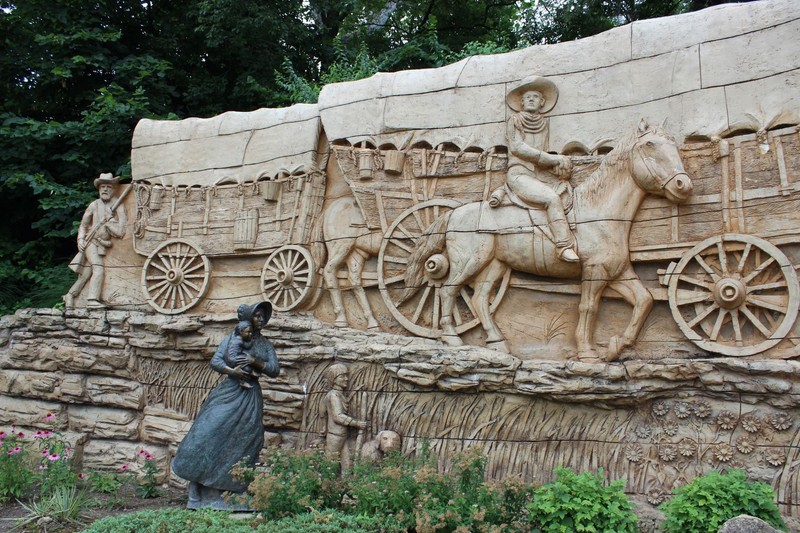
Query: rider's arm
[[518, 147]]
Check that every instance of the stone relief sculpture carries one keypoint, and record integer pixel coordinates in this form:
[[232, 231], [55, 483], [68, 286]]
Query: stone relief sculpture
[[384, 443], [347, 240], [229, 427], [536, 177], [333, 412], [481, 243], [103, 221]]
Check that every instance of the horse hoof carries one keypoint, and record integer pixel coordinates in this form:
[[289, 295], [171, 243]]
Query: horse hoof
[[499, 346], [373, 324], [614, 349], [588, 356], [452, 340], [342, 323]]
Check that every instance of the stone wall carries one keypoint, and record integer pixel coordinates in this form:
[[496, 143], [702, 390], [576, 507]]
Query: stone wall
[[118, 382]]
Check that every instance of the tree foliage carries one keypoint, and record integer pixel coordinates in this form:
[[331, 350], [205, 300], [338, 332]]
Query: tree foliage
[[79, 75]]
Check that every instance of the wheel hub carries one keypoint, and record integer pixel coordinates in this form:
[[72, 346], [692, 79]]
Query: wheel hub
[[730, 293], [285, 278], [174, 276]]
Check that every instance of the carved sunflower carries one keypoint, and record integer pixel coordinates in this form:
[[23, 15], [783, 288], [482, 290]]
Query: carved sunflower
[[644, 432], [723, 452], [701, 409], [670, 428], [775, 456], [780, 421], [656, 496], [745, 444], [751, 423], [667, 452], [687, 447], [727, 420], [634, 452], [682, 410], [661, 408]]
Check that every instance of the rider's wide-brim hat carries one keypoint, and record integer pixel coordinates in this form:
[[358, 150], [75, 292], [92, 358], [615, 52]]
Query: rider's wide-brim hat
[[546, 87], [106, 178]]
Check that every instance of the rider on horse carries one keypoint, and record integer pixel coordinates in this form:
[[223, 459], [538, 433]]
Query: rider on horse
[[534, 175]]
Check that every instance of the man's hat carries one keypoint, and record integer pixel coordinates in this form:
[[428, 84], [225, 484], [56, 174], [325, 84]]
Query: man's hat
[[533, 83], [107, 178]]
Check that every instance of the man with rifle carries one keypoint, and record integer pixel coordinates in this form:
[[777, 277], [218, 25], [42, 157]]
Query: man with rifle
[[103, 220]]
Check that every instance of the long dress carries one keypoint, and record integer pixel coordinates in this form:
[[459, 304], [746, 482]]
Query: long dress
[[229, 426]]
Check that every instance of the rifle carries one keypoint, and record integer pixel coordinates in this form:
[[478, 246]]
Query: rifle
[[77, 261]]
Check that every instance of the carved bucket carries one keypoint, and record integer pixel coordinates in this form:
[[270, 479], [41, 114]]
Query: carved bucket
[[395, 159], [271, 190], [245, 230], [365, 163]]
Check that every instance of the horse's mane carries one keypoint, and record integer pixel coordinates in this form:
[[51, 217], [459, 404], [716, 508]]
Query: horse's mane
[[614, 167]]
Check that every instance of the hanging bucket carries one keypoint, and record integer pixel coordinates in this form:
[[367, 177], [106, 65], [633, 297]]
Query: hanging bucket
[[395, 159]]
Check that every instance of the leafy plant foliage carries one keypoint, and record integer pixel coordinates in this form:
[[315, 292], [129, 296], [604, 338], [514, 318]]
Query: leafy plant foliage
[[709, 501], [582, 503]]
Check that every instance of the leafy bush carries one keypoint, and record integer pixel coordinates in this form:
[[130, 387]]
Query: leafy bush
[[182, 520], [709, 501], [581, 503], [293, 482]]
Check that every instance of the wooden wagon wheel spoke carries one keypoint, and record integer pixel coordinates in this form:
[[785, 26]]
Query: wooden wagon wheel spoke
[[723, 258], [773, 303], [756, 322], [754, 295], [419, 308], [288, 277], [175, 276], [702, 316], [743, 259], [697, 298]]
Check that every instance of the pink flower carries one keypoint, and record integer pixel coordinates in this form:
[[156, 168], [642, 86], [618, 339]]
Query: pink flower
[[37, 435], [21, 435], [123, 468], [2, 435], [47, 433], [49, 417], [68, 449], [15, 450], [80, 475], [45, 452], [149, 456], [53, 457], [42, 467], [142, 453]]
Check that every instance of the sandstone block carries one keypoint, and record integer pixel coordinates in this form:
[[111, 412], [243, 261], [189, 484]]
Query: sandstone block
[[164, 430], [28, 412], [114, 392], [42, 385], [104, 423], [112, 454]]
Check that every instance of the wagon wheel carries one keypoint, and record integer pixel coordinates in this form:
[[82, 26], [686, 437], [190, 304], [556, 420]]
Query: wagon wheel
[[420, 312], [734, 295], [175, 276], [288, 278]]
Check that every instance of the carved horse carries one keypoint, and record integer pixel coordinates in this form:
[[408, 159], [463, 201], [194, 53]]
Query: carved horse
[[482, 244], [347, 239]]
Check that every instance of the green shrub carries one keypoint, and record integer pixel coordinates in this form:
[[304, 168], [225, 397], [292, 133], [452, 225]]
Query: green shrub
[[581, 503], [709, 501], [207, 521], [293, 482]]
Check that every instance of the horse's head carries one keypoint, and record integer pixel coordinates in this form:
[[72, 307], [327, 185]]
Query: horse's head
[[656, 165]]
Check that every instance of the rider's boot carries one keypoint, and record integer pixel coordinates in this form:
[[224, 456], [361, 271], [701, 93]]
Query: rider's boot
[[565, 241]]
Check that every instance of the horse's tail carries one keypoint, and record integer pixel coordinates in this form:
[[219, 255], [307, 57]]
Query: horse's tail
[[431, 242]]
